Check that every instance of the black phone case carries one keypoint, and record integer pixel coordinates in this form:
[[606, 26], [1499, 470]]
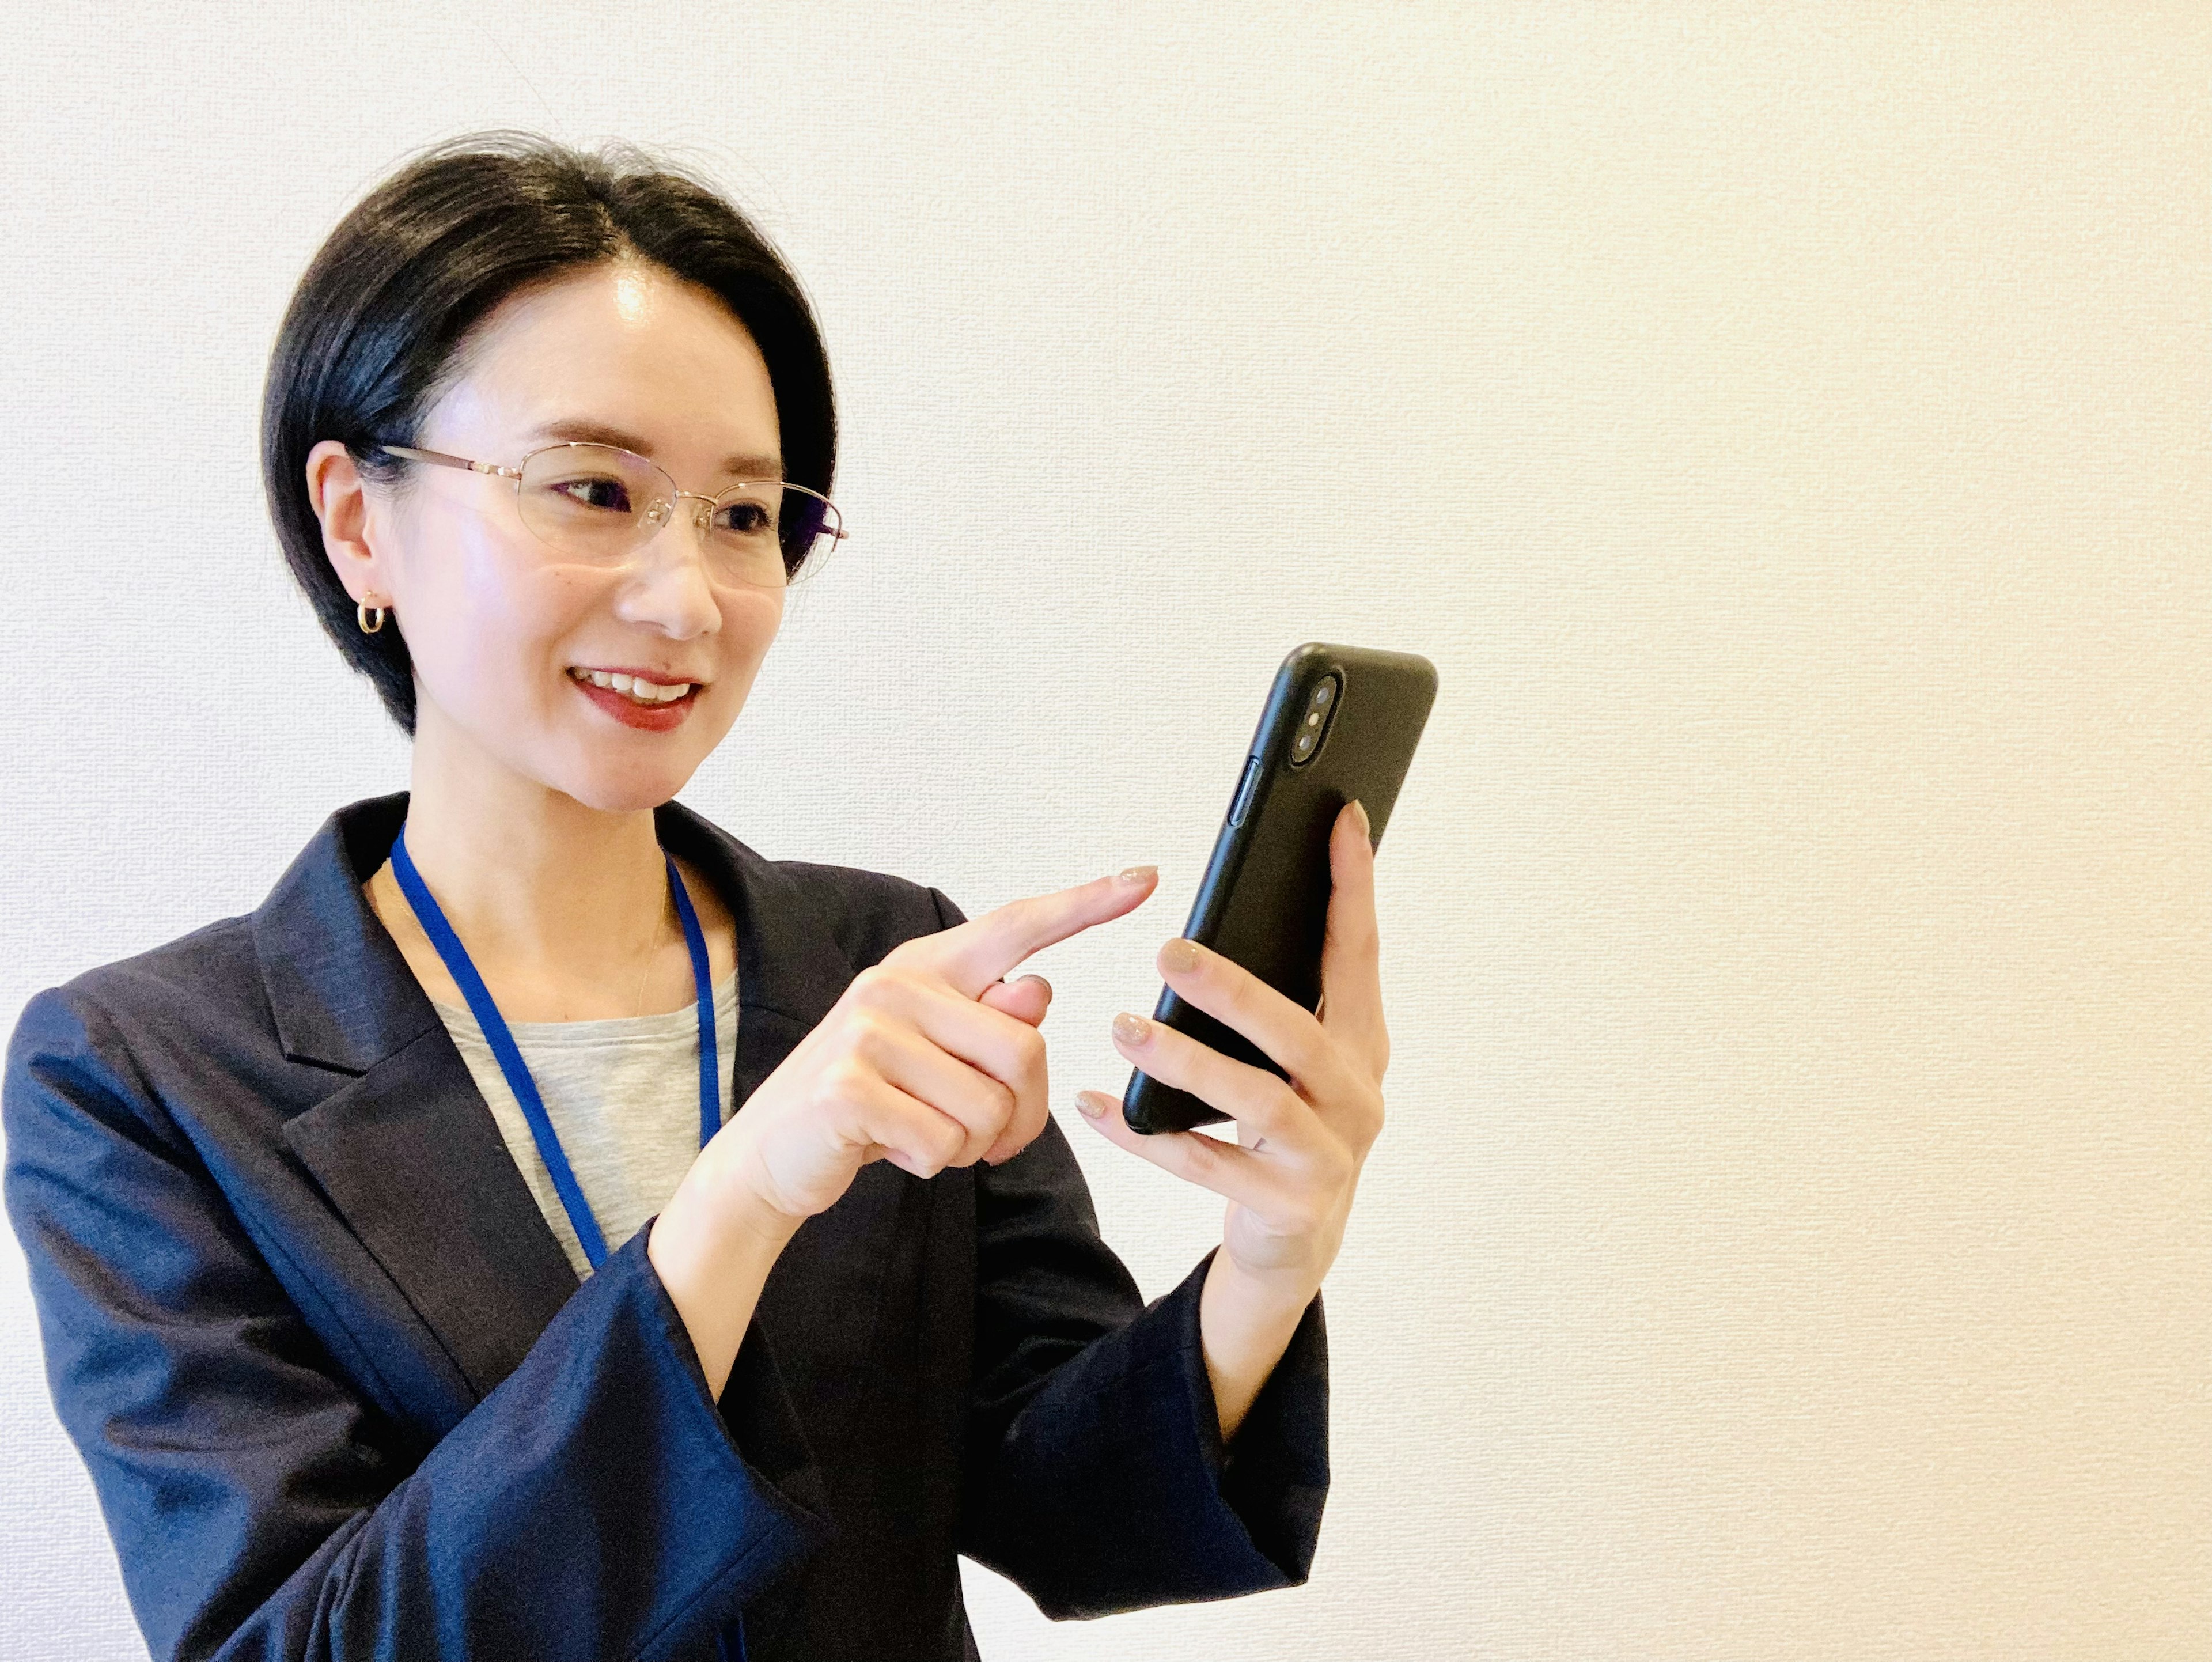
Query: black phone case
[[1263, 902]]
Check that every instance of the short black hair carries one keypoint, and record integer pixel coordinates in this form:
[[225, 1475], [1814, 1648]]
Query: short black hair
[[369, 342]]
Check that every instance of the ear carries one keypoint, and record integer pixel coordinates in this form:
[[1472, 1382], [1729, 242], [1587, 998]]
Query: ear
[[352, 522]]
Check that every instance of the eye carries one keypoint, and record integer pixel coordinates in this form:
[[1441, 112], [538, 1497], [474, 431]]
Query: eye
[[749, 519], [611, 494]]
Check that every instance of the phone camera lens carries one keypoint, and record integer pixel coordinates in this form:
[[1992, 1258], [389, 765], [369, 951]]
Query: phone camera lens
[[1320, 717]]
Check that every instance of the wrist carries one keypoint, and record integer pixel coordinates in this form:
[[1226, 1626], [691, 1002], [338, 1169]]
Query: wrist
[[1260, 1299], [713, 1258], [718, 1226], [1245, 1324]]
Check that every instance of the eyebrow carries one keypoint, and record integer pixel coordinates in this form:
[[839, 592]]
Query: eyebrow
[[598, 432]]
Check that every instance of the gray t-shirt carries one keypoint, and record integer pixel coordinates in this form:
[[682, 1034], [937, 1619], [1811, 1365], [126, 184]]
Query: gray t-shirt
[[623, 1093]]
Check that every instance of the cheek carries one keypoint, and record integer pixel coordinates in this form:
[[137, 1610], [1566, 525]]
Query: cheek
[[750, 622], [754, 617], [496, 613]]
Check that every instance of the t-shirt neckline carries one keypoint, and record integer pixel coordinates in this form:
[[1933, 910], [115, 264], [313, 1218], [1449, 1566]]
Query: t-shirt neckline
[[678, 1020]]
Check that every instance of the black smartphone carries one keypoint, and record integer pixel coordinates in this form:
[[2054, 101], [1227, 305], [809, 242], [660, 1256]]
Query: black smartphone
[[1341, 722]]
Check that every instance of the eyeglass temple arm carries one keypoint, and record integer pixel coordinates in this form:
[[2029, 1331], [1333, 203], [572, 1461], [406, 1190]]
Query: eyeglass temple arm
[[445, 461]]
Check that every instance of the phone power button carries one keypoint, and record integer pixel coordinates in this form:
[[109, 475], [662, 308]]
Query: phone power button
[[1245, 788]]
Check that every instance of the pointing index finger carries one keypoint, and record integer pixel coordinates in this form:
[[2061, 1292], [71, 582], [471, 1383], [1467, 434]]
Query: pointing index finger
[[972, 955]]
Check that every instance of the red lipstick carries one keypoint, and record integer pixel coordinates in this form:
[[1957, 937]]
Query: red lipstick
[[653, 718]]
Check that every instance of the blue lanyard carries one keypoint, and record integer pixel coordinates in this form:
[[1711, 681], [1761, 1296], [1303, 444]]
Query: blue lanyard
[[510, 1059]]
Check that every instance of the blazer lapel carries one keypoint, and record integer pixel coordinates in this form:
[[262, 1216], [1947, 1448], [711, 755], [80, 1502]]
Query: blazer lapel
[[407, 1150], [790, 970], [821, 1307], [410, 1154]]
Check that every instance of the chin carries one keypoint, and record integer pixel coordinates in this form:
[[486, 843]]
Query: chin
[[619, 772], [626, 790]]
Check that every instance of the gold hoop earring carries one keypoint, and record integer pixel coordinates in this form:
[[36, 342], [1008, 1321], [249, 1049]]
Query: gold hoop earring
[[360, 610]]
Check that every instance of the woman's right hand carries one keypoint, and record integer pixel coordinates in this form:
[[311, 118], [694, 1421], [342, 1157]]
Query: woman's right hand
[[928, 1060]]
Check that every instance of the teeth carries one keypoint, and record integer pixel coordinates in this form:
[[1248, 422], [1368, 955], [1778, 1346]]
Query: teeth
[[635, 688]]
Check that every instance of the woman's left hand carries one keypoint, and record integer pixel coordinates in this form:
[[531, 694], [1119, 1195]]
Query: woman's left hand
[[1290, 1176]]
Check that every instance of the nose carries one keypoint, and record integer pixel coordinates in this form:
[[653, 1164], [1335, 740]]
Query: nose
[[669, 585]]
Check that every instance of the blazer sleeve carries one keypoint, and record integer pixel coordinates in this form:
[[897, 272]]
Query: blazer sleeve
[[598, 1503], [1095, 1475]]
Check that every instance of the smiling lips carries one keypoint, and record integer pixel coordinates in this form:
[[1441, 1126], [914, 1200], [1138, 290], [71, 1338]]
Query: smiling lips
[[636, 688]]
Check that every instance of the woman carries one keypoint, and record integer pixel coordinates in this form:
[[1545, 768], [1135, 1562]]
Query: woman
[[385, 1285]]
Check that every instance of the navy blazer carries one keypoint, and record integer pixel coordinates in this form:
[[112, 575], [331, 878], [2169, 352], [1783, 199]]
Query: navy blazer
[[341, 1394]]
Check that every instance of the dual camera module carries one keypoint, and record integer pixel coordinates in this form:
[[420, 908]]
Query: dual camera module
[[1321, 705]]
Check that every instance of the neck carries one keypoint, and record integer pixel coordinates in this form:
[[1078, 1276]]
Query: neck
[[533, 880]]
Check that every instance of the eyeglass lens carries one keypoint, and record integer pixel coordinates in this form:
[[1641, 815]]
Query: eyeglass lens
[[600, 504]]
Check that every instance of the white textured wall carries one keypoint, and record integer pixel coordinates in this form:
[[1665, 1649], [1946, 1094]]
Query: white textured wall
[[1786, 429]]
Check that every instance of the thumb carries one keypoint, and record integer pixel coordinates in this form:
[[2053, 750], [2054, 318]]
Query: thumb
[[1026, 999]]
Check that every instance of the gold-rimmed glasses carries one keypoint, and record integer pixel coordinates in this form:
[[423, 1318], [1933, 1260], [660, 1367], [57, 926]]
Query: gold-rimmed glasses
[[598, 504]]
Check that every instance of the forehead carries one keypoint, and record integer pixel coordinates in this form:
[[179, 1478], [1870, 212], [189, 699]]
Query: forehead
[[626, 343]]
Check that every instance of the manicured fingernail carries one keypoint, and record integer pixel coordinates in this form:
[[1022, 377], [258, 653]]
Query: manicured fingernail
[[1179, 955], [1366, 829], [1132, 1030], [1090, 1103], [1137, 874]]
